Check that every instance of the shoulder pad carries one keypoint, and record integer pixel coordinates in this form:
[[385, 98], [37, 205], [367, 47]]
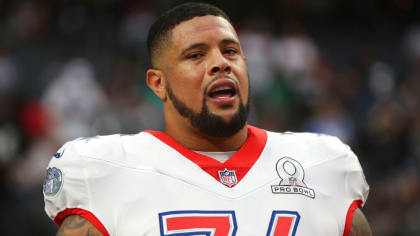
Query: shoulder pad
[[108, 147], [314, 141]]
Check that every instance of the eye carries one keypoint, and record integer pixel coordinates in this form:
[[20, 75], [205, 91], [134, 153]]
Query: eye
[[230, 51], [195, 56]]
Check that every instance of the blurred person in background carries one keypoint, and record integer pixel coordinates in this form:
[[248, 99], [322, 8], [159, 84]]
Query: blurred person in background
[[209, 171]]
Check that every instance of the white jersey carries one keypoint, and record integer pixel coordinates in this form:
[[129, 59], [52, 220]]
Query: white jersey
[[148, 184]]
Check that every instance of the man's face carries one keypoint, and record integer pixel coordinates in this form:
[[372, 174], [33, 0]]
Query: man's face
[[206, 76]]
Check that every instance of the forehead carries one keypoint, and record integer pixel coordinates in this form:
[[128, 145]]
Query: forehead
[[202, 29]]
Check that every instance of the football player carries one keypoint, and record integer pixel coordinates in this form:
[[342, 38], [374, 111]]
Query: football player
[[209, 172]]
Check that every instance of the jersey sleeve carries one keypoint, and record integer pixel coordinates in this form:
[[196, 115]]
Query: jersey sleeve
[[356, 188], [346, 179], [66, 189], [346, 171]]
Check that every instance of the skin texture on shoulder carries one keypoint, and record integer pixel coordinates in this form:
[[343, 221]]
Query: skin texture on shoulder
[[360, 225], [75, 225]]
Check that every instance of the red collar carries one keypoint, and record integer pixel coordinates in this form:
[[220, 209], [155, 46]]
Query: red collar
[[241, 162]]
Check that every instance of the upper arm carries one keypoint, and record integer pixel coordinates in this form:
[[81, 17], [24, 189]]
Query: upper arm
[[75, 225], [360, 225], [66, 191]]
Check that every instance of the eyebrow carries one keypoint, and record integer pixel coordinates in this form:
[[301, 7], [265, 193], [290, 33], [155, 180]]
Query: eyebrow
[[194, 46], [203, 45], [229, 41]]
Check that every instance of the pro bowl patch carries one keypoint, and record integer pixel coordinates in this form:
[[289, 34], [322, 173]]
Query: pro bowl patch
[[53, 181], [292, 175]]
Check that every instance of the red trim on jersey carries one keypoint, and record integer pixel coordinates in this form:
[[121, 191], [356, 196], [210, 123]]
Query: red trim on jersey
[[58, 220], [350, 213], [240, 162]]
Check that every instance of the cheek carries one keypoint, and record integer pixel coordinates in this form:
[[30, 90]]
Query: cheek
[[190, 70], [185, 77], [242, 76], [245, 92], [188, 85]]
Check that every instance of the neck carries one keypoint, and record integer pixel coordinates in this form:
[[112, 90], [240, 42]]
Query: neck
[[193, 139]]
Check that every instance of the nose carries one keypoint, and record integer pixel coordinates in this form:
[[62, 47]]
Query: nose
[[225, 68], [219, 64]]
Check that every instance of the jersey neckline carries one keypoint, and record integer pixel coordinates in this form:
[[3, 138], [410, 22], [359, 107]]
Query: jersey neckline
[[235, 168]]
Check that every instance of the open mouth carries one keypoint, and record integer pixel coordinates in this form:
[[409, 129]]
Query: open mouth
[[222, 89]]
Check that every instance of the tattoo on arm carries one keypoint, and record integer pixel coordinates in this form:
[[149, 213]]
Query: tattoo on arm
[[360, 225], [75, 225]]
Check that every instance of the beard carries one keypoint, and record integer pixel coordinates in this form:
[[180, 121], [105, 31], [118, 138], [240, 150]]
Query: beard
[[209, 123]]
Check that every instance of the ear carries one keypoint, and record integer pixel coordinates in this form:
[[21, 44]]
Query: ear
[[155, 79]]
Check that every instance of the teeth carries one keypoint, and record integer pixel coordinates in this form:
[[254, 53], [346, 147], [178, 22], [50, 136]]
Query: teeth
[[221, 88]]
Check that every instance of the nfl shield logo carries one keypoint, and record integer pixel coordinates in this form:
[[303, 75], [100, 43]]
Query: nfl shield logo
[[228, 177], [292, 181]]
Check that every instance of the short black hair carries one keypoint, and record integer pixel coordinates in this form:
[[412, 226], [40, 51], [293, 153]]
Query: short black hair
[[160, 29]]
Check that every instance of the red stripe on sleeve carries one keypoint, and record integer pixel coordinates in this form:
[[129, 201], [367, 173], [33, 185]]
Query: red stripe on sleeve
[[58, 220], [350, 213]]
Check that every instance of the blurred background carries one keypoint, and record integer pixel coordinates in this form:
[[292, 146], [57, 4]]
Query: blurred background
[[71, 68]]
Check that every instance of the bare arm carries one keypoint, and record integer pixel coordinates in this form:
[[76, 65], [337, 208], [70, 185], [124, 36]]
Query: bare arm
[[360, 225], [75, 225]]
